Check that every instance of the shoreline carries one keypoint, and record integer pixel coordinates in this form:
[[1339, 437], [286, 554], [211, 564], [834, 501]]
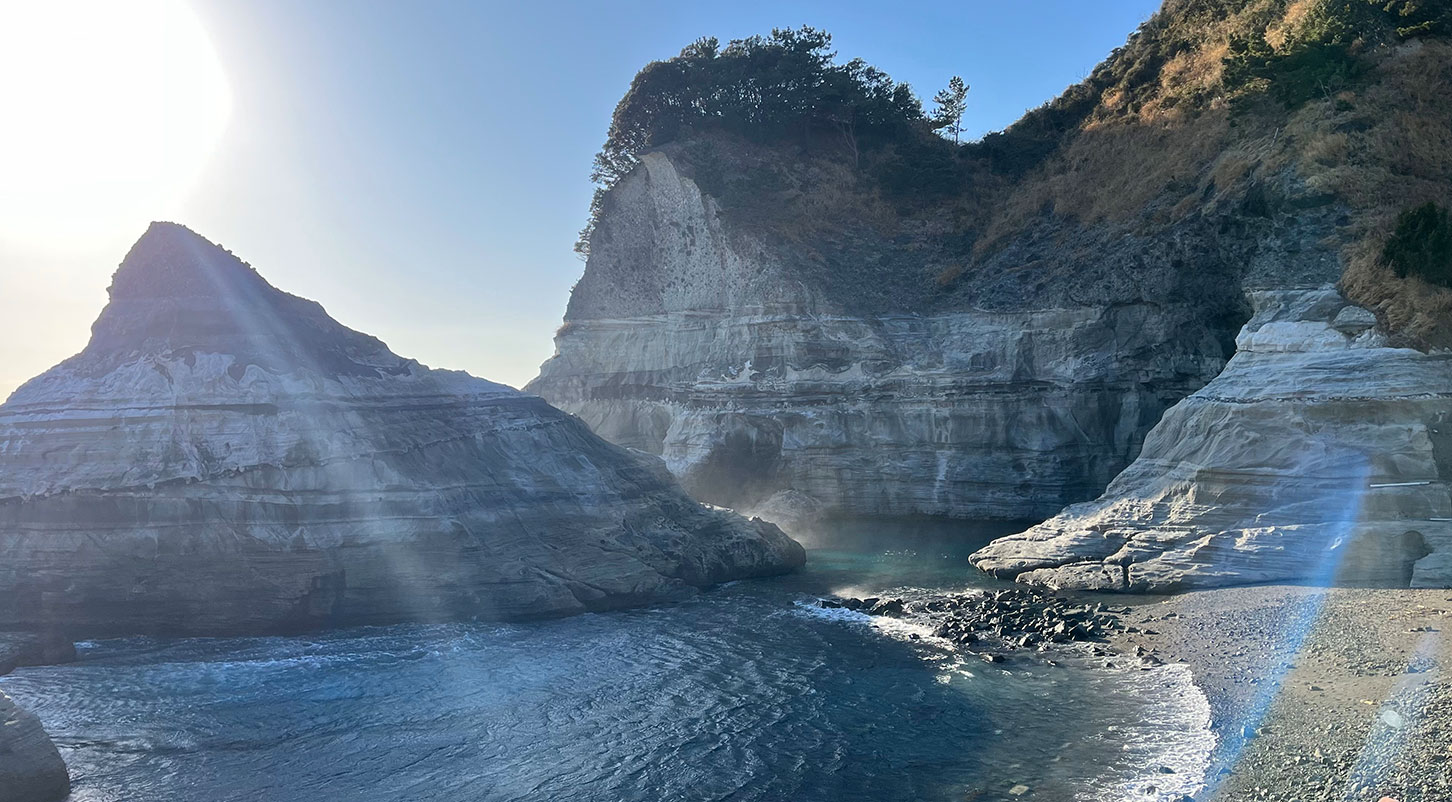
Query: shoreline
[[1315, 693], [1312, 693], [1030, 773], [1008, 627]]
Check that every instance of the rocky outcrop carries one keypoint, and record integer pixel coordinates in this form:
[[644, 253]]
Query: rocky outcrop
[[693, 339], [1321, 453], [31, 770], [225, 457]]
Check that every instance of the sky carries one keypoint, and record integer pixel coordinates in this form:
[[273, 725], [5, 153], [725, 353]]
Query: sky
[[421, 168]]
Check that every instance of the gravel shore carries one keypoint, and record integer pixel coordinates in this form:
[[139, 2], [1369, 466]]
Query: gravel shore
[[1317, 694]]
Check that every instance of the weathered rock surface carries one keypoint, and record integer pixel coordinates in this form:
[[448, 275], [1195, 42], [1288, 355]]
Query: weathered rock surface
[[1321, 453], [31, 770], [225, 457], [694, 340]]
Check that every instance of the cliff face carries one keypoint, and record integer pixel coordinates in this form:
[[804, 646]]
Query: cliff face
[[718, 350], [1320, 453], [804, 327], [225, 457]]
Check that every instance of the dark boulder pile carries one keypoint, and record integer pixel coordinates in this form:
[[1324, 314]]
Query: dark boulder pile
[[1014, 618]]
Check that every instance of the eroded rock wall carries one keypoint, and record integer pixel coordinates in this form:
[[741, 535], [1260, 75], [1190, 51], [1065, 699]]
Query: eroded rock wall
[[1321, 453], [981, 415], [701, 343]]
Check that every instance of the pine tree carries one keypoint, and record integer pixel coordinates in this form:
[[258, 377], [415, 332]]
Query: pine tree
[[951, 102]]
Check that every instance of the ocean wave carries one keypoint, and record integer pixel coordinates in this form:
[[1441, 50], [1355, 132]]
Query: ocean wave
[[1171, 740], [1171, 734]]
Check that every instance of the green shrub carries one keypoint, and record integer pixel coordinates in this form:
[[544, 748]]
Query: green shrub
[[1320, 57], [1317, 61], [1420, 17], [784, 89], [1421, 245]]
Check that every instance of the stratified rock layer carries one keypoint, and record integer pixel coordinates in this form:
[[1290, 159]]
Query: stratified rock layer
[[697, 342], [225, 457], [1320, 453], [31, 770]]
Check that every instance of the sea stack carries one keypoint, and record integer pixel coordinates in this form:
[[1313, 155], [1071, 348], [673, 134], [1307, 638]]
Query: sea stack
[[224, 457]]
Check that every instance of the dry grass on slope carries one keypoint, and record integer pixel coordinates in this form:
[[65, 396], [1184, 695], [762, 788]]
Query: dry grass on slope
[[1121, 172], [1170, 142], [1251, 118], [1403, 159], [1158, 144]]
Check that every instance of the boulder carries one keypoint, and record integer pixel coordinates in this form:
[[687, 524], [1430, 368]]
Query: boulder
[[19, 649], [31, 769]]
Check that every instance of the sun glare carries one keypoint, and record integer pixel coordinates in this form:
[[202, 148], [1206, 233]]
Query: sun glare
[[110, 110]]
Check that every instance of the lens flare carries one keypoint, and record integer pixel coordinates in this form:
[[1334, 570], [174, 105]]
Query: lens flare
[[111, 111]]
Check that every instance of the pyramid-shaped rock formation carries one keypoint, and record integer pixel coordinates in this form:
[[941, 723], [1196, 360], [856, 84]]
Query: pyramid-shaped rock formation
[[225, 457]]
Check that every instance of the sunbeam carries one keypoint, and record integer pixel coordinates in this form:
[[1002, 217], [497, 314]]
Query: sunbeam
[[111, 112]]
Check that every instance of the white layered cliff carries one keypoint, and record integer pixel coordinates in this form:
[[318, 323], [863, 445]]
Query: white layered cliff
[[225, 457], [696, 341], [1321, 453]]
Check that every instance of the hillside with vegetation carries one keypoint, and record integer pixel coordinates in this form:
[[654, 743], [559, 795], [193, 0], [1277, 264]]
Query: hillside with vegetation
[[1228, 145]]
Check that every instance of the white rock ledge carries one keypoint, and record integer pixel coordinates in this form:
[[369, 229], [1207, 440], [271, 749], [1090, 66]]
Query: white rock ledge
[[1319, 454]]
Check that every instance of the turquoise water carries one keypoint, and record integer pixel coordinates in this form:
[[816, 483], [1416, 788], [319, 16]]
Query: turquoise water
[[749, 692]]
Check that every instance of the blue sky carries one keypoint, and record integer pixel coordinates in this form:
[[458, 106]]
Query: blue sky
[[421, 168]]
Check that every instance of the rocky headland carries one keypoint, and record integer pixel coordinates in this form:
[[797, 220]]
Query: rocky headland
[[1172, 312], [224, 457], [1162, 314], [1173, 289]]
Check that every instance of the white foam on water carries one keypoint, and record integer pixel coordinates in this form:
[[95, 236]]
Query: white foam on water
[[1172, 732], [813, 610], [898, 628]]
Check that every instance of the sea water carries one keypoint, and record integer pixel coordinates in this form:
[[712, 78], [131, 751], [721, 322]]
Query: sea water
[[748, 692]]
